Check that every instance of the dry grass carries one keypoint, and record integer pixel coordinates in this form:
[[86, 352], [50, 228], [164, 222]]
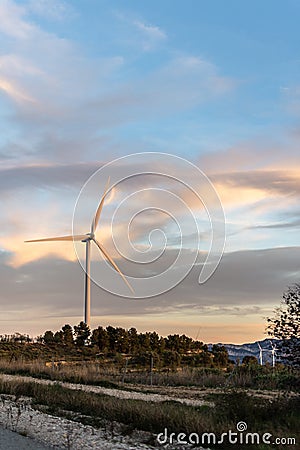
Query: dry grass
[[279, 417], [74, 372], [104, 373]]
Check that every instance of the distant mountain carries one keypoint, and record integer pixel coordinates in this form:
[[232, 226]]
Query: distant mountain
[[237, 352]]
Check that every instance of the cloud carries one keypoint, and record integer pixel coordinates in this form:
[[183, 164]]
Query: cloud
[[262, 152], [285, 182], [139, 34], [252, 199], [151, 35], [46, 175], [65, 105], [292, 224], [247, 286], [291, 99], [13, 91], [50, 9], [194, 81], [258, 184], [13, 23], [46, 74], [259, 188]]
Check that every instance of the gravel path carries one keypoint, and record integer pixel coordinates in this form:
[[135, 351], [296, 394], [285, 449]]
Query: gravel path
[[59, 433], [12, 441], [118, 393]]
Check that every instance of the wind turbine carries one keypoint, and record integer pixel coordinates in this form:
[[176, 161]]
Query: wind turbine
[[87, 239], [260, 354], [273, 351]]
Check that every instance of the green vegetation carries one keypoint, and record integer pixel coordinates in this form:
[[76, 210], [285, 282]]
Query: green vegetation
[[124, 359], [112, 344], [114, 355]]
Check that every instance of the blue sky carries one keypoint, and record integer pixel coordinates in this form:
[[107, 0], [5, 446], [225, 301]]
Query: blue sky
[[84, 82]]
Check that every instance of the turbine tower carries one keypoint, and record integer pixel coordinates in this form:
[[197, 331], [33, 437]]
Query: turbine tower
[[260, 354], [87, 239], [273, 351]]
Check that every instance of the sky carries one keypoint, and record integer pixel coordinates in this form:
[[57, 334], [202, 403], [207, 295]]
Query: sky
[[87, 82]]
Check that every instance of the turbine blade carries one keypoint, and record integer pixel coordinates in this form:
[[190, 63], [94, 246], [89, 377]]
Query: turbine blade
[[102, 249], [76, 237], [99, 209]]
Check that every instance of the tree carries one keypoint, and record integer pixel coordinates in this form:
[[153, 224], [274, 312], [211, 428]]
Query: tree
[[204, 358], [48, 337], [112, 338], [173, 342], [154, 341], [144, 342], [58, 337], [82, 333], [100, 339], [171, 359], [67, 335], [122, 341], [220, 355], [250, 360], [285, 326], [133, 340]]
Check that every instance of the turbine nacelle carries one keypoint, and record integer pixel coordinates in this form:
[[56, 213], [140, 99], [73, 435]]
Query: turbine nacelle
[[89, 237]]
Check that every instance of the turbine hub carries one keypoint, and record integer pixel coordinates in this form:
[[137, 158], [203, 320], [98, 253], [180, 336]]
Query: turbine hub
[[89, 237]]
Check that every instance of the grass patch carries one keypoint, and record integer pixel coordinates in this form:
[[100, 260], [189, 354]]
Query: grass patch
[[279, 417], [78, 373], [111, 374]]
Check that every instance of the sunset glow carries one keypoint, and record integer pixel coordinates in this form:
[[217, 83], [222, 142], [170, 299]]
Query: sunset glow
[[84, 83]]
